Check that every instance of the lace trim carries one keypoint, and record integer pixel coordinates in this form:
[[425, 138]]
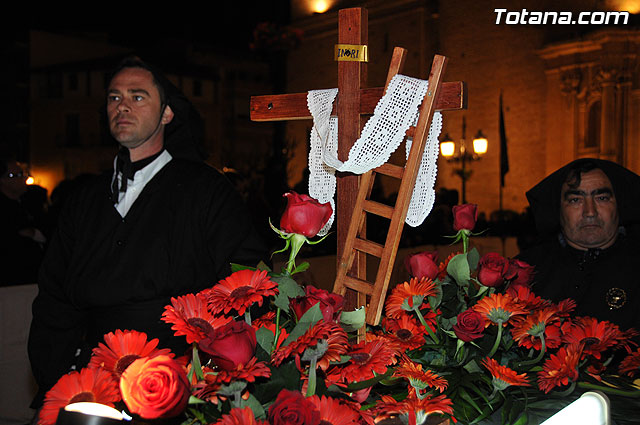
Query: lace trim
[[396, 111]]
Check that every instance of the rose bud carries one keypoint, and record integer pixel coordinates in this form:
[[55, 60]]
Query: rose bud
[[292, 408], [230, 345], [304, 215], [464, 216], [492, 268], [330, 304], [469, 326], [155, 387], [422, 265]]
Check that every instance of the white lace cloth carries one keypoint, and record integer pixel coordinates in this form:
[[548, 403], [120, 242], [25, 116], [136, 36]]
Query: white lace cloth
[[396, 111]]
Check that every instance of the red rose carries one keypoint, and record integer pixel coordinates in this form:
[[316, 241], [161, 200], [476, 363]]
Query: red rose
[[155, 387], [469, 326], [292, 408], [464, 216], [304, 215], [230, 345], [523, 272], [422, 265], [492, 269], [330, 304]]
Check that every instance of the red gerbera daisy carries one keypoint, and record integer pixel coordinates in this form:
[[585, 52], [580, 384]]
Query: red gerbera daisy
[[405, 330], [418, 378], [503, 376], [240, 290], [498, 309], [559, 368], [122, 348], [248, 372], [327, 331], [367, 360], [595, 336], [191, 318], [240, 416], [524, 295], [527, 330], [416, 409], [630, 366], [334, 411], [94, 385], [403, 297]]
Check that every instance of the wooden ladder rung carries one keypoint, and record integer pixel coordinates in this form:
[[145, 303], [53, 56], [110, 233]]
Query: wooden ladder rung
[[369, 247], [391, 170], [377, 208], [359, 285]]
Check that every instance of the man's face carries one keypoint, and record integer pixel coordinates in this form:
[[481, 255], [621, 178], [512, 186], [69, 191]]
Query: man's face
[[134, 107], [14, 181], [589, 213]]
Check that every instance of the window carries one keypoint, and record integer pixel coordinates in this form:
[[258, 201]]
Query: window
[[592, 139]]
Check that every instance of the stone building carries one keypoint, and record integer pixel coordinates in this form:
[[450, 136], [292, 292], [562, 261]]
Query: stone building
[[568, 90]]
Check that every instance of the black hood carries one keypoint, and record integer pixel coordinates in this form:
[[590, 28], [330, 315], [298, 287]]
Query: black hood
[[544, 197], [184, 135]]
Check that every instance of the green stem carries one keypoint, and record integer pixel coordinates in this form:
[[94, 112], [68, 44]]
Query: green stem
[[497, 342], [568, 391], [605, 389], [538, 357], [277, 333], [311, 387], [247, 317], [296, 243], [465, 242], [424, 323], [237, 399]]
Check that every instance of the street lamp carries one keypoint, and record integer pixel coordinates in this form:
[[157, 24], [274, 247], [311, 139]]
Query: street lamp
[[463, 155]]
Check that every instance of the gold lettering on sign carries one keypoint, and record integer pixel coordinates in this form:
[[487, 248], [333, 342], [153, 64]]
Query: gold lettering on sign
[[351, 52]]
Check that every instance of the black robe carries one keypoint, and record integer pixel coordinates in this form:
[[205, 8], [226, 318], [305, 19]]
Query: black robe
[[604, 283], [103, 272]]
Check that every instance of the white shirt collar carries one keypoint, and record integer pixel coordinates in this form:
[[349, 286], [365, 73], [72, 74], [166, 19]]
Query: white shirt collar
[[140, 180]]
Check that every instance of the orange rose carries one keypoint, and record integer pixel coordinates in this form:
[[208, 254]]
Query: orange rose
[[155, 387]]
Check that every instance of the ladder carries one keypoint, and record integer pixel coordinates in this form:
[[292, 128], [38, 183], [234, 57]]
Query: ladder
[[372, 294]]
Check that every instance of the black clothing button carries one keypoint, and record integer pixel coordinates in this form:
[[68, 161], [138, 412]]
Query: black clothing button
[[120, 243]]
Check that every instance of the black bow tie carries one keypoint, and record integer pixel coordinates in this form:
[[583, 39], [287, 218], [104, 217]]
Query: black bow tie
[[127, 169]]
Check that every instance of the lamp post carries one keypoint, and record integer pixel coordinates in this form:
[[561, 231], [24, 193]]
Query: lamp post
[[463, 155]]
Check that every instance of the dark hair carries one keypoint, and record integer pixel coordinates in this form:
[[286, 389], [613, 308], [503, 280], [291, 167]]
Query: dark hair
[[136, 62], [574, 174]]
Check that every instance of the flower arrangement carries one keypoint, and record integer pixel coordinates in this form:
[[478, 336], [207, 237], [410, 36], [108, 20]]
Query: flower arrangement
[[464, 340]]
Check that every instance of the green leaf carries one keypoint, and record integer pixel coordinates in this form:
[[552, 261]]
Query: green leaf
[[263, 266], [301, 267], [237, 267], [310, 318], [285, 376], [472, 367], [351, 321], [255, 405], [435, 302], [458, 268], [473, 257], [265, 339], [287, 289]]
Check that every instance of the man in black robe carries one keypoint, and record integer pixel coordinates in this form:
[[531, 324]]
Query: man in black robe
[[587, 215], [164, 224]]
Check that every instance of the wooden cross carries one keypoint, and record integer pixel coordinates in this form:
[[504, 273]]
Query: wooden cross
[[354, 101]]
